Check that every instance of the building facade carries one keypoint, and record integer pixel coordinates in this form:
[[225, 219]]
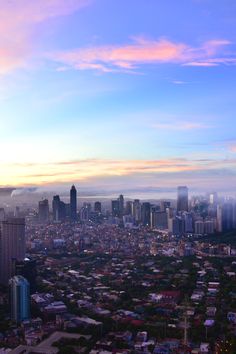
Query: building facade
[[19, 298], [73, 203], [12, 246]]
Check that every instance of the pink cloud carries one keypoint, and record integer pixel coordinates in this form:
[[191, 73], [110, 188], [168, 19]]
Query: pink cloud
[[16, 13], [213, 62], [180, 126], [144, 51], [124, 57], [201, 63], [213, 46], [232, 148], [17, 18]]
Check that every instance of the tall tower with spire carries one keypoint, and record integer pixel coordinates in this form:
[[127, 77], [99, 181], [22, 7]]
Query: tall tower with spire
[[73, 203]]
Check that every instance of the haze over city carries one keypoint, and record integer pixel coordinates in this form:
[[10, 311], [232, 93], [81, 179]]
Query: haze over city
[[117, 177], [118, 96]]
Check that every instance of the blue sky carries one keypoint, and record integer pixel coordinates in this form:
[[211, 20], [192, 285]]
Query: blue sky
[[118, 94]]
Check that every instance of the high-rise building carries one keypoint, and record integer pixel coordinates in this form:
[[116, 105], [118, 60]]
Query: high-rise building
[[17, 212], [219, 218], [128, 207], [62, 211], [209, 227], [227, 215], [85, 212], [43, 211], [58, 209], [145, 213], [115, 208], [170, 213], [121, 205], [188, 222], [174, 226], [181, 223], [67, 209], [164, 205], [98, 207], [182, 199], [136, 210], [27, 269], [19, 298], [73, 203], [234, 215], [199, 227], [2, 214], [159, 219], [12, 246], [213, 198]]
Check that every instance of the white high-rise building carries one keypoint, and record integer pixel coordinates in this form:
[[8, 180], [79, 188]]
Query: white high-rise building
[[219, 216]]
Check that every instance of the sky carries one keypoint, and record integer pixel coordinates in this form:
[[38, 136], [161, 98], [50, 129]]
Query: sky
[[118, 94]]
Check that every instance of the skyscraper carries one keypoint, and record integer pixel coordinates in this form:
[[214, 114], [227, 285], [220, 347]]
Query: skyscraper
[[136, 210], [128, 208], [188, 222], [27, 269], [145, 213], [73, 203], [17, 212], [43, 213], [115, 207], [12, 246], [182, 199], [159, 219], [85, 212], [56, 207], [19, 298], [62, 211], [59, 209], [219, 218], [98, 207], [227, 215], [121, 205], [213, 198], [164, 205], [2, 214]]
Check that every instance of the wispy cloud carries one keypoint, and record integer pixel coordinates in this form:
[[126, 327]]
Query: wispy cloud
[[201, 63], [213, 62], [179, 82], [232, 147], [84, 169], [17, 18], [180, 126], [144, 51]]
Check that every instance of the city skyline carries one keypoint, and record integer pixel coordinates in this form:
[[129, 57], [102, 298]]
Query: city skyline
[[118, 95]]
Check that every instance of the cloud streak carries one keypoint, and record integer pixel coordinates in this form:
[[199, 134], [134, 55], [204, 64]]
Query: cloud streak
[[180, 126], [19, 29], [232, 148], [85, 169], [144, 51]]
